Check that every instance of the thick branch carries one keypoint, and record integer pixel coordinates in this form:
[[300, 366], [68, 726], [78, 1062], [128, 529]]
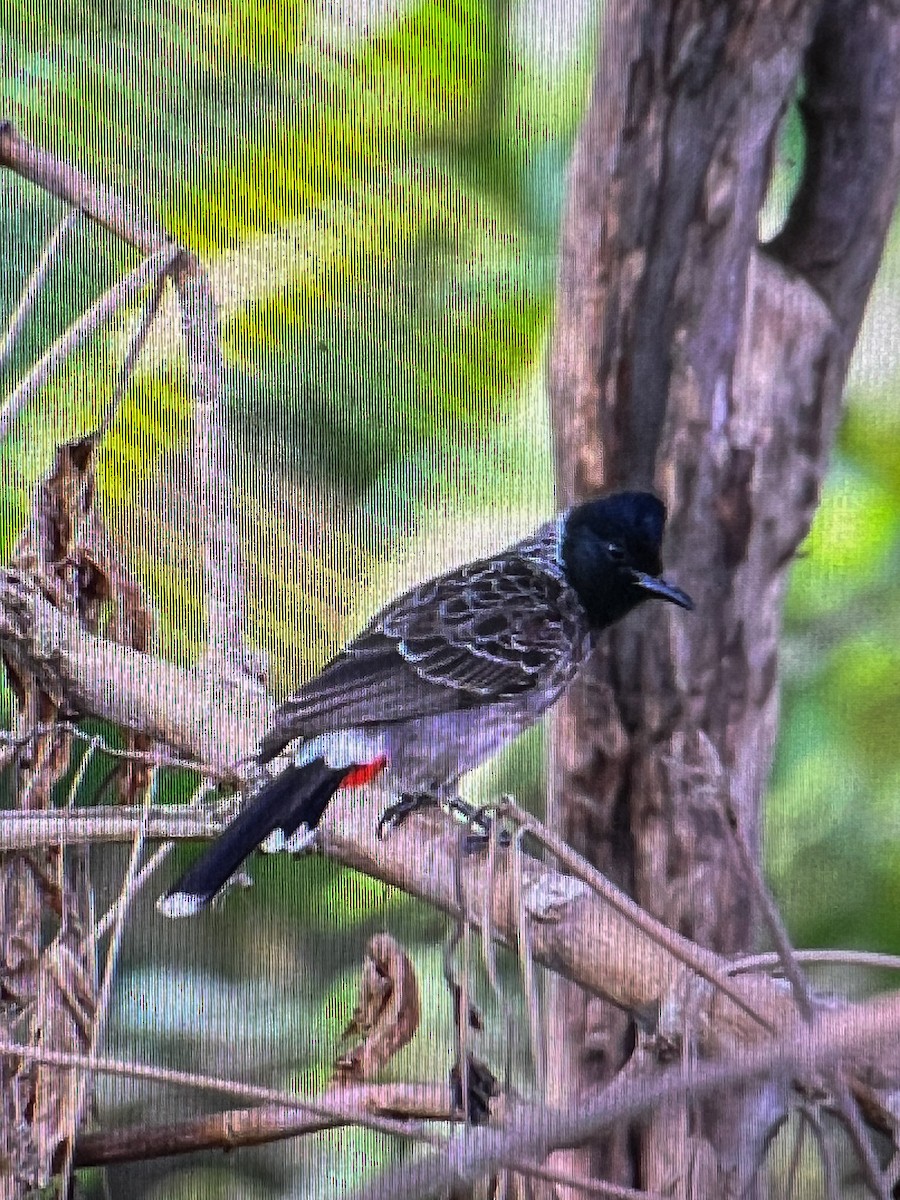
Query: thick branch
[[570, 929], [197, 713], [851, 113]]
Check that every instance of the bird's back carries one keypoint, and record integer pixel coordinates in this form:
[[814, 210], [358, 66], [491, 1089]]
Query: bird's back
[[486, 633]]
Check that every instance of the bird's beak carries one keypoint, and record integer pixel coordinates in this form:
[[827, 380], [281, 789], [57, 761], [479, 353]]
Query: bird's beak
[[661, 589]]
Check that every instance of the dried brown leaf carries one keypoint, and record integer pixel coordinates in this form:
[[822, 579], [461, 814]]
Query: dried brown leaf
[[386, 1016], [48, 982], [481, 1088]]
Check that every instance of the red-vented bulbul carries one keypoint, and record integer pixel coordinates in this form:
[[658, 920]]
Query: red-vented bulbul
[[444, 676]]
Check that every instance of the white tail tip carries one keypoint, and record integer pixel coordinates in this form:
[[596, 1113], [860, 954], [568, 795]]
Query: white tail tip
[[180, 904], [299, 842]]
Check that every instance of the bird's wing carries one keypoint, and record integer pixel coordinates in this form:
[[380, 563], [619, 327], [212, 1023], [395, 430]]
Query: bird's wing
[[489, 631]]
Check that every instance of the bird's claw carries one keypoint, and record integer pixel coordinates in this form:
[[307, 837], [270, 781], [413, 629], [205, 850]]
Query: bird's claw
[[395, 814], [479, 836]]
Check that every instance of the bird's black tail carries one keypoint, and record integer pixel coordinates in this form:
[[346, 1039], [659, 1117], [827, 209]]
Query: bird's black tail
[[297, 796]]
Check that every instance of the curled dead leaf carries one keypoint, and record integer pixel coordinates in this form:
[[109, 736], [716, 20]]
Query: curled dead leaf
[[386, 1016], [47, 954]]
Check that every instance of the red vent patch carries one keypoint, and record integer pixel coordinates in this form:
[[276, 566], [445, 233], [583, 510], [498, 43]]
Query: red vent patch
[[364, 773]]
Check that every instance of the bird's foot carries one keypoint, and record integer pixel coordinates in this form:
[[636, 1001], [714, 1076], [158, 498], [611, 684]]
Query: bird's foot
[[300, 841], [479, 836], [395, 814]]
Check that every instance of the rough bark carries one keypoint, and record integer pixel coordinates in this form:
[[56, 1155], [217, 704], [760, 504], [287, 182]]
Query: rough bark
[[689, 358]]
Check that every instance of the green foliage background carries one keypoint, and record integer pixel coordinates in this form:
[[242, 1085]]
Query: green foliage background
[[377, 196]]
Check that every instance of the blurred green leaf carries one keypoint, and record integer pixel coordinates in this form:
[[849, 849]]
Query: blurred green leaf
[[855, 528], [833, 836]]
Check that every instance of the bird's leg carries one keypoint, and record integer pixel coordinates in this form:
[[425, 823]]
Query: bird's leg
[[475, 817], [395, 814], [479, 823]]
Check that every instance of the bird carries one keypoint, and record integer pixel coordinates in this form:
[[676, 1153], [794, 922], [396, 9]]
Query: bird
[[442, 678]]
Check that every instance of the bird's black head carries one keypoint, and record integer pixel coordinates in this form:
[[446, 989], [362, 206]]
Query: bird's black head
[[610, 551]]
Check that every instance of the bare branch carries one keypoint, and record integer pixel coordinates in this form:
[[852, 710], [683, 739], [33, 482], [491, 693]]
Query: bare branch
[[101, 204], [698, 960], [329, 1107], [794, 1164], [150, 868], [861, 1139], [777, 931], [194, 712], [103, 825], [844, 958], [136, 345], [826, 1152], [259, 1126], [526, 966], [150, 758], [101, 1008]]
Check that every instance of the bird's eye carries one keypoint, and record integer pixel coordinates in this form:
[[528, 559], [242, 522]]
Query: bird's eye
[[615, 552]]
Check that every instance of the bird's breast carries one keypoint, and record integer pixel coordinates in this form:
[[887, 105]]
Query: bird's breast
[[431, 753]]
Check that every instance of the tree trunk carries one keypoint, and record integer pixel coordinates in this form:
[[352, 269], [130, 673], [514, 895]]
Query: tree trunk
[[691, 359]]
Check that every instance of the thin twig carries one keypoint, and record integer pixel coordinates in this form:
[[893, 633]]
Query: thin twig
[[526, 961], [150, 868], [463, 1022], [101, 1010], [78, 777], [843, 958], [136, 344], [459, 989], [860, 1138], [35, 282], [794, 1165], [772, 917], [326, 1108], [826, 1153], [489, 939], [157, 757], [691, 957], [100, 311]]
